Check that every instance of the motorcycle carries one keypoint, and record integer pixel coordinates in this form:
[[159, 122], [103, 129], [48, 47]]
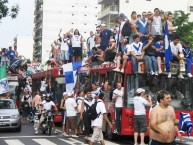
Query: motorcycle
[[47, 123]]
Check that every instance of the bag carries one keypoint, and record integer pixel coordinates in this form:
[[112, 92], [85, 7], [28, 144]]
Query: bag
[[126, 30], [92, 111]]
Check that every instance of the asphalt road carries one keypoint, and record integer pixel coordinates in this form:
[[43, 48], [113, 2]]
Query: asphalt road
[[27, 137]]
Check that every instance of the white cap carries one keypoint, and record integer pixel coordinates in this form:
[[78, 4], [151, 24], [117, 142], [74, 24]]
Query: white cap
[[140, 90], [65, 93], [103, 25]]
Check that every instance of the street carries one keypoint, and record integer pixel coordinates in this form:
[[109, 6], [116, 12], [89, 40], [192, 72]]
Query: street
[[27, 137]]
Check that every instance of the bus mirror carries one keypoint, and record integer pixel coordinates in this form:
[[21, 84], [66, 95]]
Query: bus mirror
[[60, 80]]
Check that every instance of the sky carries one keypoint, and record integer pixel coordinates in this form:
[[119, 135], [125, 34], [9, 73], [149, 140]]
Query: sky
[[22, 25]]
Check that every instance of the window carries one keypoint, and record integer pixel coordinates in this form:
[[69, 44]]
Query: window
[[191, 8], [95, 7], [84, 23], [72, 14], [72, 23], [72, 6], [84, 32], [85, 6], [95, 15], [85, 15]]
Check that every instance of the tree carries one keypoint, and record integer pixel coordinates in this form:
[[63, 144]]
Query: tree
[[185, 28], [6, 11]]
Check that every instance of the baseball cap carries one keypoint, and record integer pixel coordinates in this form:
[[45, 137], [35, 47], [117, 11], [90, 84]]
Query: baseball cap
[[140, 90], [65, 93], [103, 24], [122, 16]]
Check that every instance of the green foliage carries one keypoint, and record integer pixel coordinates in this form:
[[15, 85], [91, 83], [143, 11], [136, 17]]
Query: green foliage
[[6, 11], [185, 28]]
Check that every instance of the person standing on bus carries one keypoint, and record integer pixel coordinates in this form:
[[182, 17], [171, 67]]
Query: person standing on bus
[[84, 113], [163, 121], [43, 86], [118, 99], [140, 123]]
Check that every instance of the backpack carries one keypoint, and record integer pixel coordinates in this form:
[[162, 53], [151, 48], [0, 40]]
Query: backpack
[[92, 111], [126, 30]]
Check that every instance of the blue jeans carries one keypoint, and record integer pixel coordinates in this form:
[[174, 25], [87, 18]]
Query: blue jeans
[[152, 63], [118, 118], [188, 65]]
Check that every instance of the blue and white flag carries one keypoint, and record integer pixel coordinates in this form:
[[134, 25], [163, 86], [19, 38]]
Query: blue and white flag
[[168, 52], [4, 88], [70, 74], [185, 123]]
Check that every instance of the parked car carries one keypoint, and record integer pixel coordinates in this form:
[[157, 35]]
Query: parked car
[[9, 115]]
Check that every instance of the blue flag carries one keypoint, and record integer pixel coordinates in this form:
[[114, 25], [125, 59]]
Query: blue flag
[[185, 123], [70, 74], [168, 52]]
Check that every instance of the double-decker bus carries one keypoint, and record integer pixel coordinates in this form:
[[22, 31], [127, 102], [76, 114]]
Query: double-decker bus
[[56, 86], [180, 89]]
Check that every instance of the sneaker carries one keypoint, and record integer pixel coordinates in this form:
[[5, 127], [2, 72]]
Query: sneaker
[[115, 131], [55, 132], [159, 71], [156, 73], [122, 70], [189, 75], [169, 75], [152, 73], [116, 69], [36, 132], [180, 76], [75, 136]]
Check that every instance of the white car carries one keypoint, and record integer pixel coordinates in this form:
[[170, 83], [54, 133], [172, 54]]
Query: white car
[[9, 115]]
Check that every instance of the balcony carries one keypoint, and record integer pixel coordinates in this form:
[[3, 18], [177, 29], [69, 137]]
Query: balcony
[[110, 10]]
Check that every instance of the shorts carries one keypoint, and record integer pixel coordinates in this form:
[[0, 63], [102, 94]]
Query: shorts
[[159, 54], [97, 134], [140, 123], [64, 55], [154, 142], [71, 122], [64, 118], [77, 51], [96, 63], [79, 121]]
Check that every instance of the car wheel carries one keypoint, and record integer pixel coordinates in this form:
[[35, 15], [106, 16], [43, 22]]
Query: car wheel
[[19, 128]]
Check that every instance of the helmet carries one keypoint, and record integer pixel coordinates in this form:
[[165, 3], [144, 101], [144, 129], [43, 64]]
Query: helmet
[[47, 97]]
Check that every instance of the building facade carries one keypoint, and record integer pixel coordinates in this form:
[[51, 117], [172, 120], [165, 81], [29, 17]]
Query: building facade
[[53, 15], [111, 8]]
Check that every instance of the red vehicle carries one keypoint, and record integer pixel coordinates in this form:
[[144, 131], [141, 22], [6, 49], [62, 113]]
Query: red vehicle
[[180, 89], [56, 86]]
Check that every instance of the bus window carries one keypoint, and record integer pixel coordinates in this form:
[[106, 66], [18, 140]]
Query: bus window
[[180, 93]]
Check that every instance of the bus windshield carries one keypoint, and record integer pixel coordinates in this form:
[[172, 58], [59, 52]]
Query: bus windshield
[[180, 90]]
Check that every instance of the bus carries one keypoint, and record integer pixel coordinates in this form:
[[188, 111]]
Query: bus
[[56, 86], [180, 89]]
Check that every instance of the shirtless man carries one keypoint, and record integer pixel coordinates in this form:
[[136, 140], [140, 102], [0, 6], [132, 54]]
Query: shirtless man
[[163, 121], [170, 24]]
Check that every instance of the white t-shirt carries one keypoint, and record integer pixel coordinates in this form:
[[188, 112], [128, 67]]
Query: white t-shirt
[[94, 93], [139, 105], [137, 48], [91, 42], [76, 41], [128, 49], [38, 67], [48, 105], [176, 48], [119, 100], [43, 86], [70, 104], [79, 102], [64, 44], [88, 103], [100, 108]]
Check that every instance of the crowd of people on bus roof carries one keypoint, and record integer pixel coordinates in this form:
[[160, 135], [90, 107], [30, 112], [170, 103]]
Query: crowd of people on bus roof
[[139, 38]]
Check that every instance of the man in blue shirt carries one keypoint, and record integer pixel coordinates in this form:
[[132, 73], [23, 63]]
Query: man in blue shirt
[[187, 57], [11, 53], [105, 37], [143, 27]]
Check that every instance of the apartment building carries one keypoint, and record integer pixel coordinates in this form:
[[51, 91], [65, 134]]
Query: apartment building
[[53, 15]]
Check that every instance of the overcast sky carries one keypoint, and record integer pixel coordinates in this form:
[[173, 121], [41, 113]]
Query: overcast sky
[[22, 25]]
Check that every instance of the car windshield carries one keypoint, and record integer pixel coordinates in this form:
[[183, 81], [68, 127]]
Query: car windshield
[[7, 104]]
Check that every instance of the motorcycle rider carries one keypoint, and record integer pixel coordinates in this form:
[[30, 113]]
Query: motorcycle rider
[[47, 105]]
